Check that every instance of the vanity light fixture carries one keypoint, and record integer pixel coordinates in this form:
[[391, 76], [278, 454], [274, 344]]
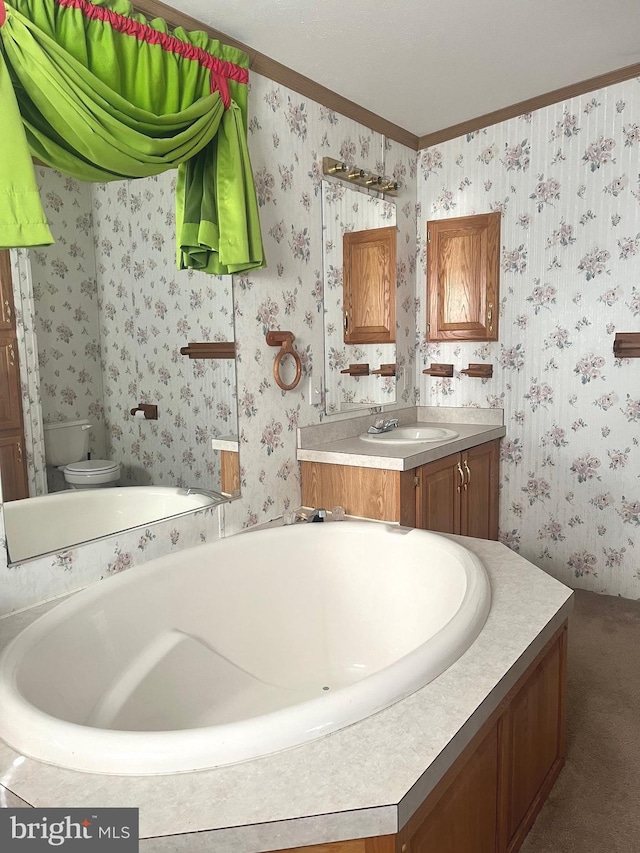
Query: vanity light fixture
[[360, 177]]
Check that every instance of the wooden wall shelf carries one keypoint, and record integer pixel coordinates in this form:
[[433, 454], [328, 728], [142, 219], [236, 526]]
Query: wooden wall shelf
[[210, 349], [357, 370], [480, 371], [385, 370], [627, 345], [439, 370]]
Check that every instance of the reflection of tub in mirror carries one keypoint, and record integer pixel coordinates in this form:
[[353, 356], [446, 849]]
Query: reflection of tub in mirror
[[53, 522], [102, 329], [345, 211]]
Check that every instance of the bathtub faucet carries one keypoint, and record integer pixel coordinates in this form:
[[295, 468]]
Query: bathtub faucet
[[209, 493], [317, 515], [383, 425], [303, 515]]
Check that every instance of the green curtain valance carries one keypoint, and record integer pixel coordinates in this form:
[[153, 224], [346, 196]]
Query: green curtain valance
[[98, 92]]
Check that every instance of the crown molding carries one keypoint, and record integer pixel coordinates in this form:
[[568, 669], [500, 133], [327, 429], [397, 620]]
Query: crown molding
[[529, 106]]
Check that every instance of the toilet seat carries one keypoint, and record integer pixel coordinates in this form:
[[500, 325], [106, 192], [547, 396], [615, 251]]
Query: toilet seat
[[92, 466], [91, 472]]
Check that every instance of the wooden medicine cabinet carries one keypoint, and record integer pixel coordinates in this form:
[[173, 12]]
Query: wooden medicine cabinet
[[463, 271], [369, 286]]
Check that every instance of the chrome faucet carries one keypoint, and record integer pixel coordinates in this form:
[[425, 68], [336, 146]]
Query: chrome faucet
[[317, 515], [383, 425], [209, 493]]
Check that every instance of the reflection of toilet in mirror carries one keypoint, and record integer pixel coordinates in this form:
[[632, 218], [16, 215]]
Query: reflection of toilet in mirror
[[66, 447]]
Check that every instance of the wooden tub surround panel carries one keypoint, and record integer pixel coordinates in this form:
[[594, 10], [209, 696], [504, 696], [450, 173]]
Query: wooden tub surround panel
[[489, 798]]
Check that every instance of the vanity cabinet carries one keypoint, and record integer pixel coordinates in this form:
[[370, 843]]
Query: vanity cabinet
[[12, 445], [456, 494], [463, 270], [488, 799], [459, 494], [369, 286]]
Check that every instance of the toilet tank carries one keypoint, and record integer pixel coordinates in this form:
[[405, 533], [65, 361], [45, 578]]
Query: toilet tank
[[66, 442]]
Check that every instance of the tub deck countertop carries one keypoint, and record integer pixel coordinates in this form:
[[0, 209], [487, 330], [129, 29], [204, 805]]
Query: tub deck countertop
[[365, 780]]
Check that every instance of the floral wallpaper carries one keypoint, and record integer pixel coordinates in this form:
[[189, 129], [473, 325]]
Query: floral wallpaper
[[346, 210], [148, 310], [65, 296], [566, 180], [288, 137]]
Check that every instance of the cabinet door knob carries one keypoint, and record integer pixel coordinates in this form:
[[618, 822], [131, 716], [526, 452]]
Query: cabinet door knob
[[12, 356], [461, 478], [466, 468]]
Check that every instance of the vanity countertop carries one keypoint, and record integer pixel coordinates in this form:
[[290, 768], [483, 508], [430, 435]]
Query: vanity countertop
[[340, 444], [365, 780]]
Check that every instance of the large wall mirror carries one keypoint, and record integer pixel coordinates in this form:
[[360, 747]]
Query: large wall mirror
[[110, 315], [359, 237]]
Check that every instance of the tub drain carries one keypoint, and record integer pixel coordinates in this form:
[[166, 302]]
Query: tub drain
[[326, 688]]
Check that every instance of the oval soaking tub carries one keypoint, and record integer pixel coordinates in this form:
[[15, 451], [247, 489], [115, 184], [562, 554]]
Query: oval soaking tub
[[60, 520], [239, 648]]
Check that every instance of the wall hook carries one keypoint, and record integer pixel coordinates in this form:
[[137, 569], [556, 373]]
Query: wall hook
[[284, 340]]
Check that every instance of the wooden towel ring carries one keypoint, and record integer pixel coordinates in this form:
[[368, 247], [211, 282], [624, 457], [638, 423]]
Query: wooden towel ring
[[284, 340]]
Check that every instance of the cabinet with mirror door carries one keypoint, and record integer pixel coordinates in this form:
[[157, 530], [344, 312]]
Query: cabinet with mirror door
[[359, 266]]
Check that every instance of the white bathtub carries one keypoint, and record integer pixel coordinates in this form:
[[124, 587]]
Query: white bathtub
[[60, 520], [239, 648]]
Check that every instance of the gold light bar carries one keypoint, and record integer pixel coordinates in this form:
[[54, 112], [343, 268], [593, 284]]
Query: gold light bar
[[360, 177]]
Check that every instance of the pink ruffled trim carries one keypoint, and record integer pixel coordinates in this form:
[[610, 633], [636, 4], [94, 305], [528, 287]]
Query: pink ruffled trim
[[220, 70]]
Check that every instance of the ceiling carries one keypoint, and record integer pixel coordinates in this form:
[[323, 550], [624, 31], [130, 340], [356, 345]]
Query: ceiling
[[426, 65]]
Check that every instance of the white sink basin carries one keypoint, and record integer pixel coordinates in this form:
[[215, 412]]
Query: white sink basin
[[410, 435]]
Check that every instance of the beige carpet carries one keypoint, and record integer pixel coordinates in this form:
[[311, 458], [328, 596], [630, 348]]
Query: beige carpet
[[594, 806]]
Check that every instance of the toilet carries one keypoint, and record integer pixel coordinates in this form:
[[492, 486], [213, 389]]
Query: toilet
[[66, 447]]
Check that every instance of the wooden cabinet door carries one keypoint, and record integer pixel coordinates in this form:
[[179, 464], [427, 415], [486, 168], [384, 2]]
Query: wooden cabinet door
[[10, 404], [438, 495], [13, 467], [479, 504], [369, 286], [534, 746], [464, 818], [7, 314], [463, 268]]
